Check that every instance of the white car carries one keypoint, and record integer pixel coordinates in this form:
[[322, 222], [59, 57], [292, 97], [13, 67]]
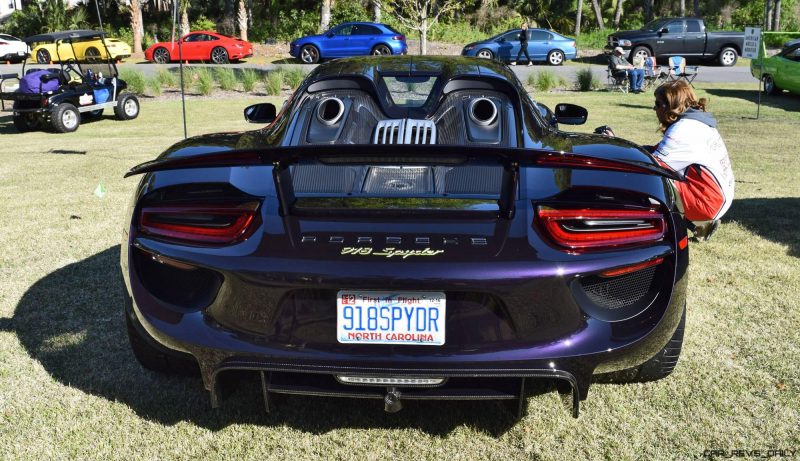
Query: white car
[[13, 49]]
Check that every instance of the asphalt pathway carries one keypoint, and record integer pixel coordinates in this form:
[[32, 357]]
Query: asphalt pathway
[[708, 74]]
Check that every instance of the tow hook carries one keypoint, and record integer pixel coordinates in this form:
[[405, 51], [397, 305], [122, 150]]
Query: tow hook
[[391, 403]]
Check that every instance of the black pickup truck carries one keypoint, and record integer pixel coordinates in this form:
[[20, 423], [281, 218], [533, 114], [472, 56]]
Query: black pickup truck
[[685, 37]]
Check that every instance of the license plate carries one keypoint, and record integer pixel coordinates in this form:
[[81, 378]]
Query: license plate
[[388, 317]]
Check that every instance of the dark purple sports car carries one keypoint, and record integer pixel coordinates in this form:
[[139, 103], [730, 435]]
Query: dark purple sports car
[[407, 228]]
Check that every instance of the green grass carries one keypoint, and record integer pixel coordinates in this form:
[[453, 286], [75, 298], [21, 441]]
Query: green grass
[[226, 77], [71, 389], [274, 82], [249, 79], [293, 76], [154, 86], [203, 80], [135, 79], [585, 80], [167, 79]]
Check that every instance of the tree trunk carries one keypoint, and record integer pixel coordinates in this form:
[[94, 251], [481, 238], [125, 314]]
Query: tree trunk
[[776, 23], [697, 8], [185, 27], [618, 14], [241, 16], [136, 26], [598, 14], [376, 11], [682, 9], [648, 11], [578, 18], [325, 16], [768, 25], [423, 37]]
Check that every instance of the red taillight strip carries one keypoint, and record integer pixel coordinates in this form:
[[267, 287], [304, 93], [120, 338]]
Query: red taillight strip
[[632, 268], [181, 221], [683, 243], [588, 228]]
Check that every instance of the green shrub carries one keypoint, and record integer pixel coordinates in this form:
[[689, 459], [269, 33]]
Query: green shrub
[[249, 79], [167, 79], [293, 77], [545, 81], [593, 39], [288, 26], [154, 86], [226, 78], [203, 80], [274, 82], [135, 80], [203, 23], [585, 80]]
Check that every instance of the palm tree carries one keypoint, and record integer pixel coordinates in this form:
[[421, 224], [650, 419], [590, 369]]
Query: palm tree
[[578, 18], [136, 25], [598, 14], [618, 14]]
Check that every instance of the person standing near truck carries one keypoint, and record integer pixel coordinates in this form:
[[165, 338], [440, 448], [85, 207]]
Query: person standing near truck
[[523, 45]]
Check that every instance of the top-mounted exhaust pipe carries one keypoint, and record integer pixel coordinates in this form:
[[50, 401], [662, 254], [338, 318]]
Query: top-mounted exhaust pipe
[[330, 111], [483, 111]]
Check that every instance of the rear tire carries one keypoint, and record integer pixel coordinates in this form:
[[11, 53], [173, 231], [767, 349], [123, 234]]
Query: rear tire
[[219, 55], [154, 356], [641, 51], [43, 56], [381, 50], [555, 58], [658, 367], [92, 54], [727, 57], [127, 107], [26, 121], [769, 85], [65, 118]]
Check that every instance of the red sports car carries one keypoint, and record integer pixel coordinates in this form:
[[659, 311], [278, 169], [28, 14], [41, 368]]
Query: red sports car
[[200, 45]]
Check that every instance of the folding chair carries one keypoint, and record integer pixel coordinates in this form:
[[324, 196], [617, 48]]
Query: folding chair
[[654, 74], [616, 79], [679, 70]]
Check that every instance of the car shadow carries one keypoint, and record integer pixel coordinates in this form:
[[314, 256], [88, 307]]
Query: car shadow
[[785, 101], [71, 321], [775, 219]]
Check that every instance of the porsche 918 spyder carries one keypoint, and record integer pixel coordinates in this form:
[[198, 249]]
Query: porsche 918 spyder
[[407, 228]]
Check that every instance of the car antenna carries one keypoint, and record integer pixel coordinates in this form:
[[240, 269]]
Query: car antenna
[[180, 63]]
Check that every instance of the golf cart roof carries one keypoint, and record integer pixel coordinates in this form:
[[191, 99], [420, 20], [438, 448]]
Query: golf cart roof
[[64, 35]]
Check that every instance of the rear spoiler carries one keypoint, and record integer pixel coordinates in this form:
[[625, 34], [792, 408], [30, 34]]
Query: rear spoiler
[[402, 154]]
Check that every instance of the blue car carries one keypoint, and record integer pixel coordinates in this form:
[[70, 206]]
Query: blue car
[[543, 45], [349, 39]]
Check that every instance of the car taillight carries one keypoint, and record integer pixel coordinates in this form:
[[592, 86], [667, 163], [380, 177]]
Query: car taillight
[[580, 229], [3, 43], [402, 38], [210, 223]]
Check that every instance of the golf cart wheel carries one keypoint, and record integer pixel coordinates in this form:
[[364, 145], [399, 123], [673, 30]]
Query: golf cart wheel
[[92, 54], [728, 57], [485, 54], [161, 55], [43, 56], [769, 85], [65, 118], [219, 55], [26, 122], [127, 107], [381, 50], [309, 54], [555, 58]]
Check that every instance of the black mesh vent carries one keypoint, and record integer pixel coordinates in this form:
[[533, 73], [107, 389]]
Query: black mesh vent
[[618, 292]]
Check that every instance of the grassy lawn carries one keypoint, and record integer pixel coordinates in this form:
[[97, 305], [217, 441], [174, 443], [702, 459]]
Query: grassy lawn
[[71, 388]]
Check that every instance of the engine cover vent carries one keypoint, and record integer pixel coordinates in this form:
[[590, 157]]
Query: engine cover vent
[[405, 131]]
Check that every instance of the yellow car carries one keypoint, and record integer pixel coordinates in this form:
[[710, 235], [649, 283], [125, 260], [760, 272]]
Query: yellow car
[[86, 50]]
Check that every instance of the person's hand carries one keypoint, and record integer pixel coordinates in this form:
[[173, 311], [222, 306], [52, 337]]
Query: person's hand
[[604, 130]]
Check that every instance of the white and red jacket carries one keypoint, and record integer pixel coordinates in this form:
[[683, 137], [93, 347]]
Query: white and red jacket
[[693, 147]]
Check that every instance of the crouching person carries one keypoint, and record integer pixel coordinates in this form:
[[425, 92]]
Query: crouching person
[[693, 147]]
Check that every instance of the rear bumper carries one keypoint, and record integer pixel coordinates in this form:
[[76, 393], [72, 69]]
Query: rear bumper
[[549, 336]]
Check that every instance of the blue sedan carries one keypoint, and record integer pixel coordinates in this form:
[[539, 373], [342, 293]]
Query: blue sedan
[[349, 39], [543, 45]]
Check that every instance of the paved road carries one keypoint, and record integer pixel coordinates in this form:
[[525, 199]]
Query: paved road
[[710, 74]]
